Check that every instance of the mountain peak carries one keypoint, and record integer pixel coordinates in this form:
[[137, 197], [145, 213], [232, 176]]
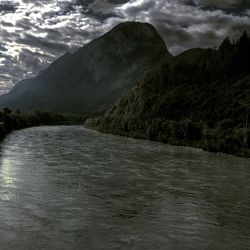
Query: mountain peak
[[93, 77], [135, 31], [129, 37], [132, 27]]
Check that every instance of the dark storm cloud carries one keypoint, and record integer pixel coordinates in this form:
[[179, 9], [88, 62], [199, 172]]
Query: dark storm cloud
[[34, 33], [2, 48], [5, 8], [185, 24], [6, 24], [229, 6], [44, 44], [225, 4]]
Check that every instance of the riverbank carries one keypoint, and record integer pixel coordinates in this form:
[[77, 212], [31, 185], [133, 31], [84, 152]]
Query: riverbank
[[222, 138], [15, 120]]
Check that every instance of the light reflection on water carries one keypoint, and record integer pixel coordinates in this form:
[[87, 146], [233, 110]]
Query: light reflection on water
[[71, 188], [7, 174]]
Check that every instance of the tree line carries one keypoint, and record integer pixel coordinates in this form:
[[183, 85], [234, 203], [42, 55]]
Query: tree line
[[13, 120]]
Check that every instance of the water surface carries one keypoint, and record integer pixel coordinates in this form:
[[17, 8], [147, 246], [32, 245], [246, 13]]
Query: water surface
[[71, 188]]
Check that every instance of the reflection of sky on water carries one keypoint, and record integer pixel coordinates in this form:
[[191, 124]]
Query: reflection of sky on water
[[6, 173], [7, 168]]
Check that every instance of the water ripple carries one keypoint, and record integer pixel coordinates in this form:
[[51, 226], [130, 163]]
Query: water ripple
[[73, 188]]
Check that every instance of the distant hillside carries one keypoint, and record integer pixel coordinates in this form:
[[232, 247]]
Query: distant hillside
[[93, 77], [200, 98]]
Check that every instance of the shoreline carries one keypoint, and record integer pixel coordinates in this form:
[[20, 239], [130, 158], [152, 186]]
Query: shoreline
[[11, 121], [198, 145], [135, 137]]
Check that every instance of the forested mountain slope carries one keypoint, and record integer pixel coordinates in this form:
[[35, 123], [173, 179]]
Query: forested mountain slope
[[199, 98]]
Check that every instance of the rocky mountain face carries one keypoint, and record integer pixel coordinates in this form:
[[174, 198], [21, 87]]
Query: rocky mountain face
[[93, 77], [199, 98]]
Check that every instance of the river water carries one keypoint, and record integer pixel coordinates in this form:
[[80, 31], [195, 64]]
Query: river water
[[66, 187]]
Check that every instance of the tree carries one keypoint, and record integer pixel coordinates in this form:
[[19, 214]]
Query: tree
[[225, 46], [244, 41], [7, 110]]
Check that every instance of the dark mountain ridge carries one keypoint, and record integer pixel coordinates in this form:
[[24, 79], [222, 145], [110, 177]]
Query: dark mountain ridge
[[199, 98], [93, 77]]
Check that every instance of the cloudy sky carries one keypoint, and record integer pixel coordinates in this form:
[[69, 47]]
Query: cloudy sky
[[34, 33]]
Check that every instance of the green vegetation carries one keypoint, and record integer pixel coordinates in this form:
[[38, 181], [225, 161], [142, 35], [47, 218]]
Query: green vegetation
[[200, 98], [14, 120]]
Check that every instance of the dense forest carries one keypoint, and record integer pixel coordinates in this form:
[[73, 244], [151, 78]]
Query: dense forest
[[199, 98], [14, 120]]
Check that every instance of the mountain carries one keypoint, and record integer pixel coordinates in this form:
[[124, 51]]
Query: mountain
[[93, 77], [199, 98]]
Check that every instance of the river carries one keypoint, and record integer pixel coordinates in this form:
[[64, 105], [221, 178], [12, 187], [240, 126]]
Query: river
[[66, 187]]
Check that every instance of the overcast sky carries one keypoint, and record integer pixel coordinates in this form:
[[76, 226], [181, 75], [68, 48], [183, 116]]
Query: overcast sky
[[34, 33]]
